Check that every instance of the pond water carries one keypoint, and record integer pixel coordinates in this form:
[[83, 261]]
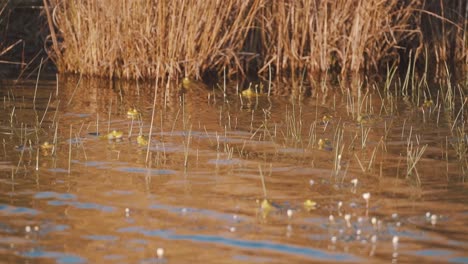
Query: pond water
[[337, 176]]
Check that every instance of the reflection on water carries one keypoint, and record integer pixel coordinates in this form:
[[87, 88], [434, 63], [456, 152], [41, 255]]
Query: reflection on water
[[228, 179]]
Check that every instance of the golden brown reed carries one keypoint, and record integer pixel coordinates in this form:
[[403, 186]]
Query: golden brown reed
[[340, 35], [159, 39], [445, 26], [148, 39]]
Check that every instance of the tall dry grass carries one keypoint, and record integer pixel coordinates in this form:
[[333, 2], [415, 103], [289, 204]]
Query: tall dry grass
[[148, 39], [445, 25], [340, 35], [174, 38], [5, 46]]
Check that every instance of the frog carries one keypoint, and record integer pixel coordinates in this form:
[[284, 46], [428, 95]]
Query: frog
[[132, 113], [142, 140], [115, 134]]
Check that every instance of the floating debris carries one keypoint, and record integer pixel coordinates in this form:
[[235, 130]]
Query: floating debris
[[311, 183], [347, 218], [127, 212], [433, 219], [289, 212], [160, 253], [395, 240], [366, 196]]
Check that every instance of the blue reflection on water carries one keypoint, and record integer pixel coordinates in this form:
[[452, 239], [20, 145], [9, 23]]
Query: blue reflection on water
[[60, 228], [107, 165], [4, 228], [459, 260], [433, 252], [245, 258], [97, 163], [81, 205], [248, 244], [182, 210], [79, 115], [9, 210], [113, 257], [224, 161], [101, 237], [59, 257], [61, 196], [146, 171]]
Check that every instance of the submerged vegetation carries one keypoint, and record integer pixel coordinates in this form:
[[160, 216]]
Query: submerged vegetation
[[173, 39]]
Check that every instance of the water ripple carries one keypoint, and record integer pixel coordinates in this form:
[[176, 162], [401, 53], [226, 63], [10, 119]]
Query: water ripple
[[61, 196], [15, 210], [81, 205], [58, 256], [246, 244]]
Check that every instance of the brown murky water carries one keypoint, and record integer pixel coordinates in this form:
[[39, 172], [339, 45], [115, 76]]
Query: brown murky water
[[198, 191]]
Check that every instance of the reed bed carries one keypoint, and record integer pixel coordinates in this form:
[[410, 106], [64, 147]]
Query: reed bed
[[4, 46], [445, 23], [148, 39], [344, 35], [158, 39]]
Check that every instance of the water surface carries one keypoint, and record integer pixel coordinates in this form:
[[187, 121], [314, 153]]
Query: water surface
[[197, 190]]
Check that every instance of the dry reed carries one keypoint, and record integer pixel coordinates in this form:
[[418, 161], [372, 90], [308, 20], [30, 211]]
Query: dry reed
[[159, 39], [343, 35], [148, 39], [445, 27]]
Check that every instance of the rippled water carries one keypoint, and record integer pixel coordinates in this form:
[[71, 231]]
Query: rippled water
[[198, 191]]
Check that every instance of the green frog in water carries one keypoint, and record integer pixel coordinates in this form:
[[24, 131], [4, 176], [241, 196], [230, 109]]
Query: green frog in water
[[133, 113], [142, 140], [115, 134], [199, 89], [189, 84], [253, 92]]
